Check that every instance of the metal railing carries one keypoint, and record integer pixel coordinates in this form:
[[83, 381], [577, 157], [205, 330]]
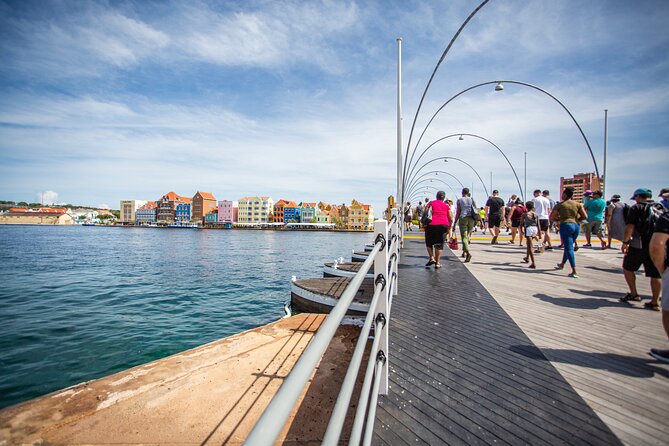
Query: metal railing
[[384, 258]]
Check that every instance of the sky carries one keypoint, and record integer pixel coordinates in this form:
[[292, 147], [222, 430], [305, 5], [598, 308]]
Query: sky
[[102, 101]]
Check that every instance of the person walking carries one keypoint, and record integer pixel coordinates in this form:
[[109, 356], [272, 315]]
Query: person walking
[[408, 216], [494, 209], [659, 253], [595, 209], [464, 216], [531, 228], [615, 220], [515, 216], [542, 207], [419, 214], [568, 213], [636, 243], [438, 230]]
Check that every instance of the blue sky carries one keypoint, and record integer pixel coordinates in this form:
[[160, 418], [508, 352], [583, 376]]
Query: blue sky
[[103, 101]]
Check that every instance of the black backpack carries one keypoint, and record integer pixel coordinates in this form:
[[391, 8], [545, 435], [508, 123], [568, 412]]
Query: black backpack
[[651, 214]]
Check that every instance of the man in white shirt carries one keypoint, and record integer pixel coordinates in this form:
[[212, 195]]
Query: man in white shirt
[[542, 206]]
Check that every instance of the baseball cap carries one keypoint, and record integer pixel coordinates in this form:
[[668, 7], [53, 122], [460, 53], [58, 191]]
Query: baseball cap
[[664, 191], [587, 192], [643, 192]]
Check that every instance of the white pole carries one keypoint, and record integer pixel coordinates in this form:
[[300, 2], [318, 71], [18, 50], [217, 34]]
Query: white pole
[[399, 122], [606, 138]]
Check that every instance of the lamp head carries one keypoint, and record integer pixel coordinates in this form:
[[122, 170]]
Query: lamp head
[[461, 138], [499, 87]]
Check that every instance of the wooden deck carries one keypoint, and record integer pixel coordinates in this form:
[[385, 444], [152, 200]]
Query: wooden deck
[[496, 353]]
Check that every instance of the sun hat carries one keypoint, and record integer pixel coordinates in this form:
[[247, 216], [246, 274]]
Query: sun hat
[[643, 192]]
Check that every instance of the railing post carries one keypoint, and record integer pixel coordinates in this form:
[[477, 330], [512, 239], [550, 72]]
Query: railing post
[[394, 230], [381, 270]]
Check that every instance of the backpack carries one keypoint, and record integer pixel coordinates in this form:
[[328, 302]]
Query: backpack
[[646, 224]]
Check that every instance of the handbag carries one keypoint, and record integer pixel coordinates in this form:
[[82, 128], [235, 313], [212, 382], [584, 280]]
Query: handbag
[[453, 244], [475, 213], [427, 216]]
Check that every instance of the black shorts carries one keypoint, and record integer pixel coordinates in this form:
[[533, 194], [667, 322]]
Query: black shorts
[[435, 235], [495, 221], [515, 223], [544, 225], [636, 257]]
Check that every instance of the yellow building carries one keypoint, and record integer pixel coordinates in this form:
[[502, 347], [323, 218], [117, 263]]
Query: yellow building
[[44, 216], [128, 209], [255, 210], [360, 216]]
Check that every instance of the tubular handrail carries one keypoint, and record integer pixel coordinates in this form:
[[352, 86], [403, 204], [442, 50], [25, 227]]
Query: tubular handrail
[[385, 261], [269, 426]]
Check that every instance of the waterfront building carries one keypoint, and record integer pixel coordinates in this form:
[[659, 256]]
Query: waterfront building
[[183, 213], [580, 182], [41, 216], [291, 213], [228, 211], [211, 218], [146, 214], [360, 216], [323, 212], [308, 212], [167, 206], [279, 207], [202, 204], [128, 209], [343, 216], [255, 210]]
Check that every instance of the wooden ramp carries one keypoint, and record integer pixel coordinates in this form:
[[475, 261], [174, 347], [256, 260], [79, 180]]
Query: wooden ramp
[[463, 372]]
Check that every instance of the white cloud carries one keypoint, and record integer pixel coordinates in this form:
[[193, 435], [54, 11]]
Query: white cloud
[[47, 197]]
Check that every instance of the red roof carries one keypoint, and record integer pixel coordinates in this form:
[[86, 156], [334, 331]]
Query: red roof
[[206, 195]]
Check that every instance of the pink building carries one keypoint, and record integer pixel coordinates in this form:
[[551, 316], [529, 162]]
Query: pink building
[[227, 211]]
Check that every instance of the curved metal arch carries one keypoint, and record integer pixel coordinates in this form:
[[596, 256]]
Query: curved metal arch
[[434, 72], [587, 143], [520, 188], [437, 172], [446, 158], [441, 181]]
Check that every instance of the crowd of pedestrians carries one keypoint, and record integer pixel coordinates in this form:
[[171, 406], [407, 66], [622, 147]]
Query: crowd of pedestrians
[[642, 228]]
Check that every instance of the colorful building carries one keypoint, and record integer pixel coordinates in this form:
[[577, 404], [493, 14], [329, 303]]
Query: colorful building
[[255, 210], [308, 212], [202, 204], [279, 209], [228, 211], [360, 217], [211, 218], [292, 213], [146, 214], [128, 209], [343, 216], [183, 213], [167, 207]]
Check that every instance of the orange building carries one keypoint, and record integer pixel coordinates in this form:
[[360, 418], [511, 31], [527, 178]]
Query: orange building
[[203, 203], [279, 206], [580, 182]]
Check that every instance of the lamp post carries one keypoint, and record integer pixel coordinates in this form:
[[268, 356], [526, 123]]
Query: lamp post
[[499, 86]]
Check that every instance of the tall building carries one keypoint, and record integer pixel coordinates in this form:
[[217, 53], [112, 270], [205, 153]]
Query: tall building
[[255, 210], [128, 209], [279, 206], [580, 182], [202, 204]]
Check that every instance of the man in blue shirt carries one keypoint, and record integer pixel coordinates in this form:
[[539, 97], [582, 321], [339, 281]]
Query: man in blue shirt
[[595, 208]]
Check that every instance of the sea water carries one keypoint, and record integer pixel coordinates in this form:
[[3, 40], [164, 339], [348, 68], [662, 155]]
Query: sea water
[[78, 303]]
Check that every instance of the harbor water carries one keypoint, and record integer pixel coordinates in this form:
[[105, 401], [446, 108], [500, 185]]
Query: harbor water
[[78, 303]]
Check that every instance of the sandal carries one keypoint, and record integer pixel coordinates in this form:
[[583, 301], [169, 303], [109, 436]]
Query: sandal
[[629, 297], [651, 306], [559, 266], [573, 275], [437, 265], [525, 260], [533, 266], [430, 263]]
